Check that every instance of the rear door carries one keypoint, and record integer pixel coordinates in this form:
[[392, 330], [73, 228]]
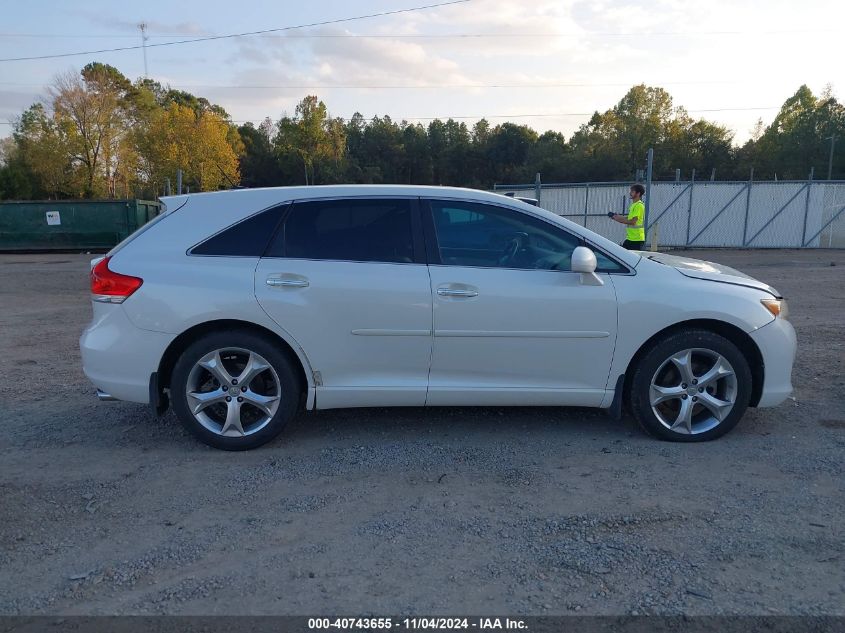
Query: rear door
[[347, 279]]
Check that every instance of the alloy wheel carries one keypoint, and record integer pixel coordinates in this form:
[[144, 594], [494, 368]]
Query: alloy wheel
[[233, 392], [693, 391]]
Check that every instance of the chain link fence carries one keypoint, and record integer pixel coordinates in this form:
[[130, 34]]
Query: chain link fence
[[772, 214]]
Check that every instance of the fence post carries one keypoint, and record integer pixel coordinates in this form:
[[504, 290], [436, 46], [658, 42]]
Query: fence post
[[807, 205], [713, 175], [167, 186], [537, 187], [747, 206], [179, 182], [689, 209], [648, 174], [586, 200], [677, 175]]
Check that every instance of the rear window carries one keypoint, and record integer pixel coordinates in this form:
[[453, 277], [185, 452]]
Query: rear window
[[247, 238], [347, 230]]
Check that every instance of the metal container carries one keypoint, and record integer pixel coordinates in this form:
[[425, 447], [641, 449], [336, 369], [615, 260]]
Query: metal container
[[71, 224]]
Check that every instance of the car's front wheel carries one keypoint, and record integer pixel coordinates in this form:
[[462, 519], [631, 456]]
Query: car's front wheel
[[691, 386], [234, 390]]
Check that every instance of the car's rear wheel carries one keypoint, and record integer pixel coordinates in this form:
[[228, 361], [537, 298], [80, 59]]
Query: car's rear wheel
[[691, 386], [234, 390]]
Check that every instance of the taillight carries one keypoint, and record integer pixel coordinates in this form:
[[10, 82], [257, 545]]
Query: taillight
[[108, 286]]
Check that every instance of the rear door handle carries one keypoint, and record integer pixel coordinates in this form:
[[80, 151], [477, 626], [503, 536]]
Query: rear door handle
[[278, 282], [456, 292]]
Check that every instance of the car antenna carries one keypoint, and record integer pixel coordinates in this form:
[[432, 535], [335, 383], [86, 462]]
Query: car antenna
[[226, 176]]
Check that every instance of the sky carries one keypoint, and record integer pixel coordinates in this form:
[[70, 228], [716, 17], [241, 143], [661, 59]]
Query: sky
[[546, 64]]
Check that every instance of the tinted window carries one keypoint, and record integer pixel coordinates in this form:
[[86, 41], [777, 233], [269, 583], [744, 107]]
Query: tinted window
[[247, 238], [472, 234], [351, 230]]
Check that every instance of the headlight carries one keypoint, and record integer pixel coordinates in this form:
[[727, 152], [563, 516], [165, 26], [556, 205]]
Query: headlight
[[777, 307]]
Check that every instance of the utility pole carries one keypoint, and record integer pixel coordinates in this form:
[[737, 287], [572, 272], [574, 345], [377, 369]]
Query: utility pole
[[144, 38], [649, 172], [832, 139]]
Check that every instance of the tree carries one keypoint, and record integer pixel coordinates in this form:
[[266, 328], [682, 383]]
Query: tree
[[90, 109], [798, 138], [382, 151], [258, 164], [509, 150], [42, 145], [17, 182], [551, 156], [101, 135], [198, 144], [309, 135], [416, 166]]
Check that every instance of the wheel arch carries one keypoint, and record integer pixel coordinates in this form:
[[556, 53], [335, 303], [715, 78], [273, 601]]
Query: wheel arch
[[194, 333], [735, 335]]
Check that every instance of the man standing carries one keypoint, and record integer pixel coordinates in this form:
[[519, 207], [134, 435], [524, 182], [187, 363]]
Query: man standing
[[635, 233]]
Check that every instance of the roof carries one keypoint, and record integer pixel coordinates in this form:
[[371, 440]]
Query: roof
[[330, 191]]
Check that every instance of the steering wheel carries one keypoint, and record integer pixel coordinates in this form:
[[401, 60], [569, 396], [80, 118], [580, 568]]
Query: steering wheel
[[555, 262], [518, 241]]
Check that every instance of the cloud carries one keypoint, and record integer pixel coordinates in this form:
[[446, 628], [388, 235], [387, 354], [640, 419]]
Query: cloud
[[154, 27]]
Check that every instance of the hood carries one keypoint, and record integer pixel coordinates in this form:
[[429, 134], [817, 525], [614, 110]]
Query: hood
[[711, 271]]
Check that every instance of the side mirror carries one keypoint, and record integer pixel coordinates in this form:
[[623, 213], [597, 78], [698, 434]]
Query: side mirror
[[584, 262]]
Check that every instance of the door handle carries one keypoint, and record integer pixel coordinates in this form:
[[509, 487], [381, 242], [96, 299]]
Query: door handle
[[456, 292], [276, 282]]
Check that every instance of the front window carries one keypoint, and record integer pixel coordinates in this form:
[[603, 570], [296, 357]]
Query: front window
[[474, 234]]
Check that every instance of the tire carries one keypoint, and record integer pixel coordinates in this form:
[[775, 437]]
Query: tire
[[215, 368], [692, 386]]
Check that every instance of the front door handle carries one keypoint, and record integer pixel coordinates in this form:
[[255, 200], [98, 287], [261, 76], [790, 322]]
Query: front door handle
[[276, 282], [457, 292]]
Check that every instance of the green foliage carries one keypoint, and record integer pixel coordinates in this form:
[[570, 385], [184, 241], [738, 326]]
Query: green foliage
[[317, 141], [258, 164], [102, 135], [799, 139]]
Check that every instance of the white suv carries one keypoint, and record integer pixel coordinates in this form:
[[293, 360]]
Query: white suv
[[242, 307]]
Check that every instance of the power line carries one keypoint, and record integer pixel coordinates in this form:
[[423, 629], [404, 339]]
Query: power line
[[233, 35], [424, 86], [515, 116], [437, 35], [537, 115], [510, 116]]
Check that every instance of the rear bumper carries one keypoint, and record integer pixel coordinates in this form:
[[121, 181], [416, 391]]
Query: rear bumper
[[119, 357], [777, 344]]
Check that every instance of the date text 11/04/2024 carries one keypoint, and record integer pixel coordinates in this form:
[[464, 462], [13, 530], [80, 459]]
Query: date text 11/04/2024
[[420, 623]]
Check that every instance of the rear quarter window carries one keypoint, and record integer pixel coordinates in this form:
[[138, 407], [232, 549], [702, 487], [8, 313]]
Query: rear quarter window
[[247, 238]]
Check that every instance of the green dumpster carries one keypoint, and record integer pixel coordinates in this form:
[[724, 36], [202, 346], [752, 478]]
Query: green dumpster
[[71, 224]]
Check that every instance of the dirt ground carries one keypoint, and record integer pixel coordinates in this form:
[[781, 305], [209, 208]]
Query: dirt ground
[[105, 509]]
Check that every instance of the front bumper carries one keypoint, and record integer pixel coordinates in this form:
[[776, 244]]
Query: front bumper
[[777, 344], [119, 357]]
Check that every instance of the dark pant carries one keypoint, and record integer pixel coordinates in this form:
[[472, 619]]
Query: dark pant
[[633, 246]]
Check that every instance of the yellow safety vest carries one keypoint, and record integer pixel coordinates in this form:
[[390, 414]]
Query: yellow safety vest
[[636, 232]]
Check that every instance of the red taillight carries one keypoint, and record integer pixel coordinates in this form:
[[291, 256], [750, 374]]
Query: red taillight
[[108, 286]]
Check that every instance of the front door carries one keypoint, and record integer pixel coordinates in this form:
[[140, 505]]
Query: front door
[[512, 324]]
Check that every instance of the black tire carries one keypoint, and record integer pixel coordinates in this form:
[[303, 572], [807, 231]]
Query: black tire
[[675, 343], [289, 388]]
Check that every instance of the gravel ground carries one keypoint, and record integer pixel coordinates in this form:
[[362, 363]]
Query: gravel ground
[[106, 509]]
